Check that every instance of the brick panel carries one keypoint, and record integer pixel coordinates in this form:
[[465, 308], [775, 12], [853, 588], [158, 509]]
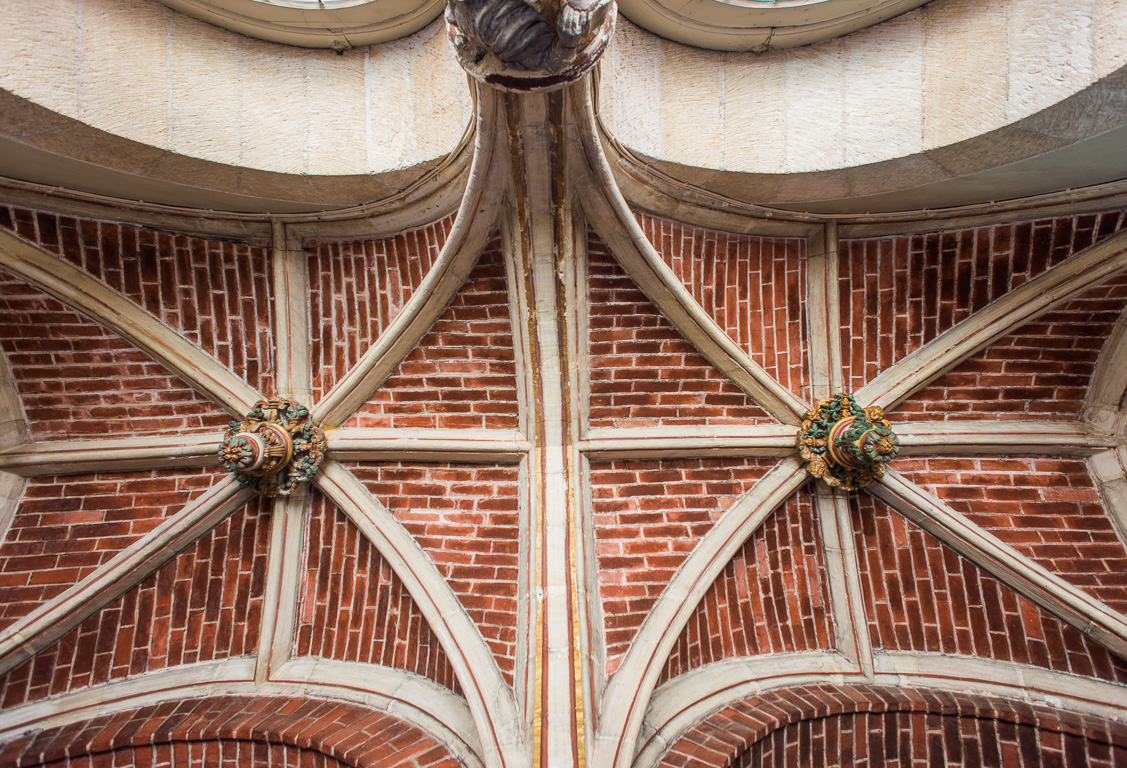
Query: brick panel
[[819, 727], [466, 518], [642, 371], [65, 527], [899, 293], [1041, 371], [1048, 509], [358, 288], [204, 605], [753, 287], [922, 596], [354, 607], [772, 597], [462, 374], [907, 739], [648, 517], [340, 732], [201, 754], [217, 294], [81, 381]]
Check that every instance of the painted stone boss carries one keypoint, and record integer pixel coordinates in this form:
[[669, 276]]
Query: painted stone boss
[[846, 445], [274, 448]]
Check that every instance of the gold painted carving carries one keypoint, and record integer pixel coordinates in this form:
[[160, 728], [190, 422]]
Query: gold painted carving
[[845, 445], [274, 448]]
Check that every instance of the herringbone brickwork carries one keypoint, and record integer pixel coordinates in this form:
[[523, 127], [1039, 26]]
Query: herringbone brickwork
[[753, 287], [772, 597], [65, 527], [899, 293], [648, 516], [354, 607], [79, 380], [217, 294], [1048, 509], [642, 371], [204, 605], [922, 596], [1040, 371], [462, 374], [466, 518], [357, 288]]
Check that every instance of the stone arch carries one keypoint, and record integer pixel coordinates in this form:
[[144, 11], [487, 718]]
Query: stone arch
[[727, 737], [335, 732]]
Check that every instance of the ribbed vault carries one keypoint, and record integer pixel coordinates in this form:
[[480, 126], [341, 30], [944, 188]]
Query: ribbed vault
[[561, 518]]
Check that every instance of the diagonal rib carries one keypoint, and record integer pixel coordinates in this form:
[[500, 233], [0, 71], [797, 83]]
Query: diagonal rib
[[1041, 294], [1068, 603], [109, 308], [489, 696], [54, 619], [625, 700], [609, 216], [475, 221]]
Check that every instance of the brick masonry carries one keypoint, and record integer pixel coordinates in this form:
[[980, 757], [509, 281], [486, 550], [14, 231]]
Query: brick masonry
[[463, 372], [921, 596], [204, 605], [217, 294], [358, 288], [354, 608], [318, 733], [899, 293], [753, 287], [828, 726], [642, 372], [905, 739], [772, 597], [1048, 509], [1040, 371], [202, 754], [648, 517], [466, 518], [81, 381], [65, 527]]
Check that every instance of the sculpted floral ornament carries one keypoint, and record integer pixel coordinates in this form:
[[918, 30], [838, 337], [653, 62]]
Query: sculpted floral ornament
[[529, 44], [274, 448], [846, 445]]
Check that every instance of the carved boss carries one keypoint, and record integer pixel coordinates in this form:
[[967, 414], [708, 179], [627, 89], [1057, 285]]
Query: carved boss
[[524, 45]]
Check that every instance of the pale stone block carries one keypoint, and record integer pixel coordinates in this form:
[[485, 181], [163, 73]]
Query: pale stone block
[[755, 112], [389, 80], [41, 57], [272, 93], [965, 83], [123, 85], [630, 89], [1109, 37], [447, 108], [692, 108], [1050, 53], [203, 91], [335, 108], [815, 106], [882, 88]]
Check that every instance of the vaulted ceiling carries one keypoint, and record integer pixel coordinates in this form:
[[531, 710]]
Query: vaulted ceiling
[[562, 517]]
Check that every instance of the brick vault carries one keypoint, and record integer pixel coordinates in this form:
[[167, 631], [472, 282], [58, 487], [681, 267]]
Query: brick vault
[[537, 481]]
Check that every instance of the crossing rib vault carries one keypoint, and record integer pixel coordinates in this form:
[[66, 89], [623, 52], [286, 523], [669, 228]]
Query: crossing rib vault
[[542, 195]]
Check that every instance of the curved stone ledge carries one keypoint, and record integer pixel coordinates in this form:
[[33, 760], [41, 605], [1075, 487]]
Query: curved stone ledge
[[927, 80], [146, 74], [1077, 142]]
